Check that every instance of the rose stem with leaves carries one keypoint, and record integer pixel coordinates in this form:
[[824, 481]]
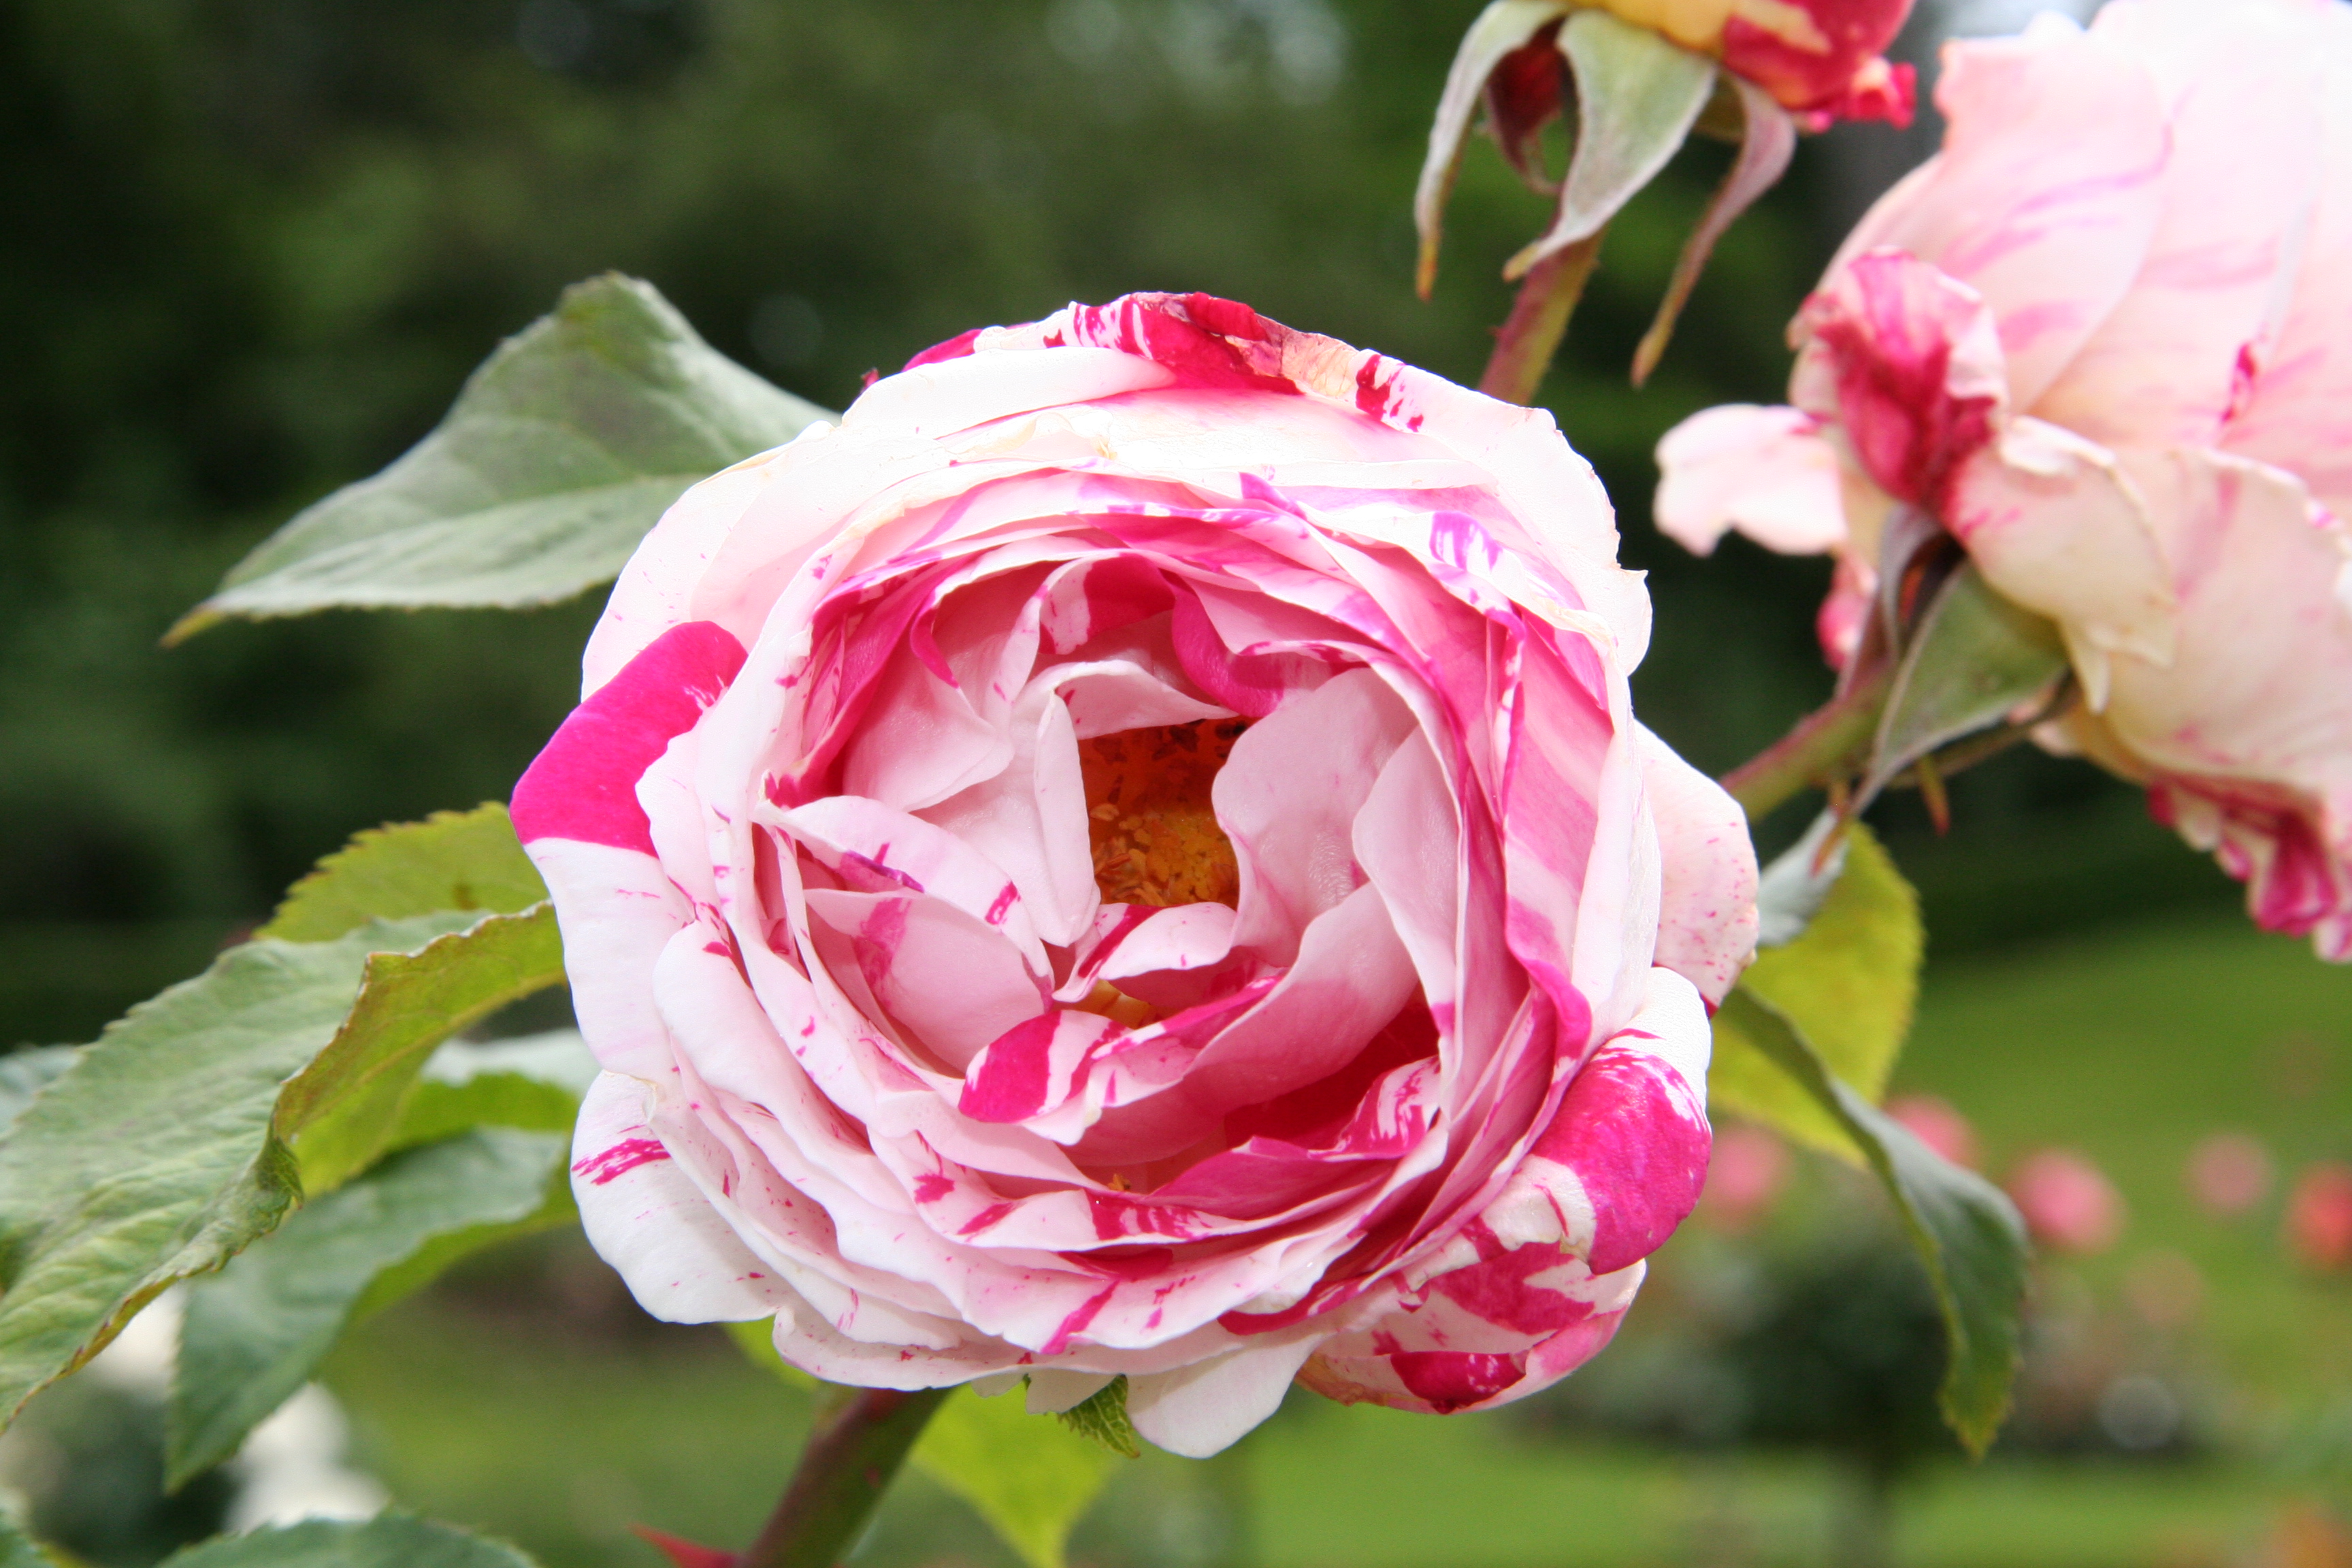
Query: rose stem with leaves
[[1538, 320], [861, 1438]]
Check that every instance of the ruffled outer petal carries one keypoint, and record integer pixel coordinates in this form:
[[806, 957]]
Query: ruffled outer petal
[[681, 1260], [2293, 404], [1766, 472], [1534, 1286], [886, 1065], [2058, 525], [2046, 196], [2245, 733], [1907, 361], [2243, 91], [1706, 913]]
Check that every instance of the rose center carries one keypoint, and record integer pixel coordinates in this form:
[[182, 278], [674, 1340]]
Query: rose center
[[1154, 834]]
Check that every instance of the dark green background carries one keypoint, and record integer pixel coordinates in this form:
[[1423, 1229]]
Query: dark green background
[[253, 246]]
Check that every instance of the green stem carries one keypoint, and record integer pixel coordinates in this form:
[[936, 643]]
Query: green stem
[[1538, 320], [856, 1446], [1812, 753]]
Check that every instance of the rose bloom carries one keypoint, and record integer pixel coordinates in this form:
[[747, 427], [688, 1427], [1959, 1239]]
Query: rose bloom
[[1131, 855], [2106, 340]]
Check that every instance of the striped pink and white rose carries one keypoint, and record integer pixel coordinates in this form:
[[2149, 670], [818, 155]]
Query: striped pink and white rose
[[2106, 340], [1131, 855]]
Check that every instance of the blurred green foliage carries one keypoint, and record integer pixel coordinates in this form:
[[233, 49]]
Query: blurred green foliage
[[254, 247]]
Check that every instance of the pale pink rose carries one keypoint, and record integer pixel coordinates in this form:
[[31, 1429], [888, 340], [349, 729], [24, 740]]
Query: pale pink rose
[[968, 1011], [1938, 1123], [2068, 1203], [2106, 340], [2229, 1173], [2319, 1216]]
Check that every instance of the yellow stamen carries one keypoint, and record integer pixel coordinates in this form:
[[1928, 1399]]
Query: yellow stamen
[[1154, 834]]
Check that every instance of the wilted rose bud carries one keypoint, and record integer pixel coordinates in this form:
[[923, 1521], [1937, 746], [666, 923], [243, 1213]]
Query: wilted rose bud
[[1642, 75], [1820, 57]]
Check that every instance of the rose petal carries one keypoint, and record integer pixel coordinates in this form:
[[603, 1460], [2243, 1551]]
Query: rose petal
[[681, 1261], [2046, 196], [1764, 472]]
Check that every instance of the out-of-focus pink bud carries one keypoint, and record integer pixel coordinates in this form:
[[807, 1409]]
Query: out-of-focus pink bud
[[2068, 1203], [2228, 1174], [1932, 1119], [2319, 1216], [1746, 1172]]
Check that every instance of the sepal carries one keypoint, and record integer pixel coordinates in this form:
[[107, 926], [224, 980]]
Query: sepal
[[1637, 97], [1502, 29]]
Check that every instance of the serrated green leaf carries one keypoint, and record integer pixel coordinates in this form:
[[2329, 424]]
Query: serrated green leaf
[[1850, 982], [1974, 660], [340, 1111], [561, 450], [24, 1074], [256, 1332], [1967, 1233], [1101, 1419], [1030, 1477], [153, 1157], [535, 1081], [1637, 96], [388, 1541], [451, 860], [757, 1340]]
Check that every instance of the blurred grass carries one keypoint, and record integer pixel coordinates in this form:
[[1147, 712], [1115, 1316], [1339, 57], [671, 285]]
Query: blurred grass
[[561, 1449], [2133, 1045], [2130, 1046]]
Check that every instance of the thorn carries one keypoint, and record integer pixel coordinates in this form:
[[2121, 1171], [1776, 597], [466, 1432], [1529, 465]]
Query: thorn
[[1835, 837], [1841, 805], [1931, 789], [685, 1553]]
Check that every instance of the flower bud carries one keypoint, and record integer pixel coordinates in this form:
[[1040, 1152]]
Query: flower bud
[[1819, 57]]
